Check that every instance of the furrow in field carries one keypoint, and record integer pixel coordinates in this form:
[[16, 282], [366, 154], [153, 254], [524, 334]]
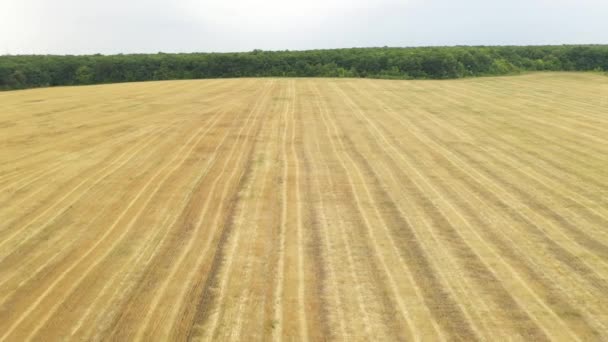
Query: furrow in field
[[235, 274], [430, 128], [30, 254], [204, 293], [573, 147], [299, 225], [220, 216], [483, 278], [571, 227], [290, 287], [336, 306], [493, 146], [528, 121], [62, 99], [128, 123], [56, 155], [108, 250], [537, 97], [32, 288], [314, 276], [598, 144], [425, 269], [98, 140], [413, 218], [553, 178], [58, 196], [179, 179], [569, 178], [121, 292], [101, 175], [144, 299], [361, 324], [319, 209], [253, 315], [24, 199], [91, 129], [572, 319], [278, 321], [581, 237], [115, 115], [513, 123], [527, 223], [205, 153]]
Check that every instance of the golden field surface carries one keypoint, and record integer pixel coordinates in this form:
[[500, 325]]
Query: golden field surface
[[306, 209]]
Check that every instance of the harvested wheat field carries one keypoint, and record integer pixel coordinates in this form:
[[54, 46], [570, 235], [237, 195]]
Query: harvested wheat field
[[306, 209]]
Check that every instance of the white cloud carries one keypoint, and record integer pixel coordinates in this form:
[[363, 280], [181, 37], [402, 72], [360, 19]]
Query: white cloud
[[112, 26]]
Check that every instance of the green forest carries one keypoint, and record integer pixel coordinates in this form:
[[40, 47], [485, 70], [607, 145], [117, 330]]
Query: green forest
[[29, 71]]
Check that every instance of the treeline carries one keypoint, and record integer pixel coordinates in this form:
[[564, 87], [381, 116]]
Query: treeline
[[19, 72]]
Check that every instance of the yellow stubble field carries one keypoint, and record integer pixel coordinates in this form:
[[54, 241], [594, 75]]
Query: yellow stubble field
[[306, 209]]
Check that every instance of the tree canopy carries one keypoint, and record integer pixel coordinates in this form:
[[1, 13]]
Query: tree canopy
[[28, 71]]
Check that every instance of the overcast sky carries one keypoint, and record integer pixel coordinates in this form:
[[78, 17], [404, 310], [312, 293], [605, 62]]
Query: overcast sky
[[133, 26]]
